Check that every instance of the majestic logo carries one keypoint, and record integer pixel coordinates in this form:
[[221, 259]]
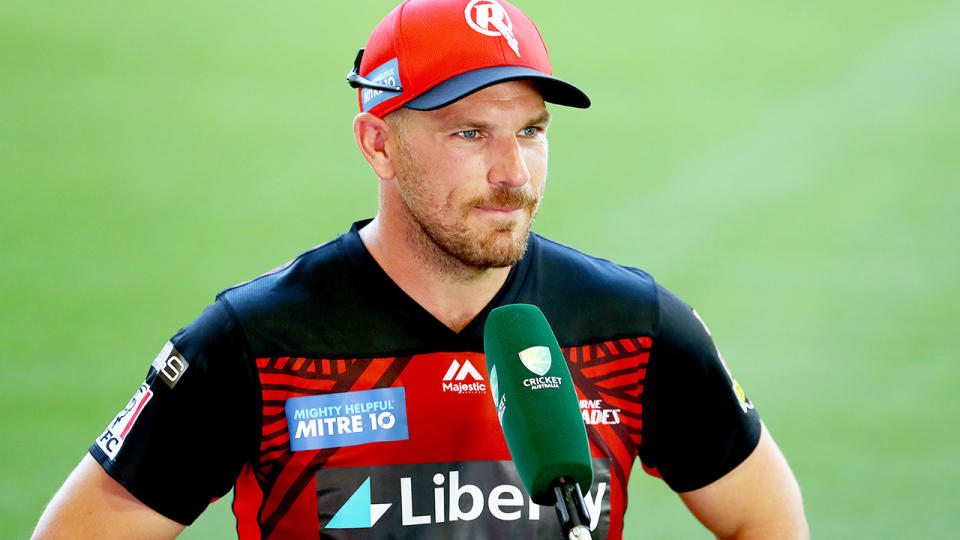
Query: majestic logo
[[455, 380], [490, 19], [537, 359], [116, 433]]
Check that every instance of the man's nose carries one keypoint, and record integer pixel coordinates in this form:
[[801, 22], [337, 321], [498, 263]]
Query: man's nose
[[509, 167]]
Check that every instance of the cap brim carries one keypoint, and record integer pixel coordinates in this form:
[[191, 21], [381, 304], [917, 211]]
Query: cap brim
[[554, 90]]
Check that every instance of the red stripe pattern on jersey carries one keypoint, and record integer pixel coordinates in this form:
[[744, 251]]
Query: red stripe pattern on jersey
[[612, 374], [283, 475]]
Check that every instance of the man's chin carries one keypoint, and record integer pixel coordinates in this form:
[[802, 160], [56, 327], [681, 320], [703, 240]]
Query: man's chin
[[502, 249], [483, 246]]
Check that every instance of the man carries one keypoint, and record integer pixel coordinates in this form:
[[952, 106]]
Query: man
[[345, 394]]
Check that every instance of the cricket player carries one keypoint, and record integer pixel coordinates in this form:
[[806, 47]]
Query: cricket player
[[345, 394]]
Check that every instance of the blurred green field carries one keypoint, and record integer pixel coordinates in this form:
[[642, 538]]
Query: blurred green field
[[790, 169]]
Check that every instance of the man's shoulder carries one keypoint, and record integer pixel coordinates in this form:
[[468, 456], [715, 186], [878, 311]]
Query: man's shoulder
[[591, 272], [327, 301], [283, 304], [290, 280], [590, 296]]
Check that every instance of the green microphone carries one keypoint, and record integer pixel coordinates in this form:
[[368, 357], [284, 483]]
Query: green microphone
[[539, 412]]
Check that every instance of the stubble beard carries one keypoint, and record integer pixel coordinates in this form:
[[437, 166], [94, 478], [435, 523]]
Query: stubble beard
[[448, 242]]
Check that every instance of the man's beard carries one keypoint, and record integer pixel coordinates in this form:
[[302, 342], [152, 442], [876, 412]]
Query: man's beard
[[447, 239]]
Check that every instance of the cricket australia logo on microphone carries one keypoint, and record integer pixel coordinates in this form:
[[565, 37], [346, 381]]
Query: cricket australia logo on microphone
[[538, 360]]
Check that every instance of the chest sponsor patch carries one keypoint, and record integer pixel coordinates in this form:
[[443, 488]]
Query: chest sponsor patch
[[478, 500], [347, 419], [463, 378]]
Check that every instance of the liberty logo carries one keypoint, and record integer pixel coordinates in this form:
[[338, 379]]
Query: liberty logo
[[472, 499], [358, 512], [490, 19], [537, 359]]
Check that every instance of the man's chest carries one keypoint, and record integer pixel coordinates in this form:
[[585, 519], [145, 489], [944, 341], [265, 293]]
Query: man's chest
[[412, 447]]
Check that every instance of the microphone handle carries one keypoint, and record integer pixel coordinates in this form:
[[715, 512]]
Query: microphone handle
[[571, 509]]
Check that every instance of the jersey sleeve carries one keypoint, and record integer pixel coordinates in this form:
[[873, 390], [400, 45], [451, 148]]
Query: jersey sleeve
[[697, 423], [183, 438]]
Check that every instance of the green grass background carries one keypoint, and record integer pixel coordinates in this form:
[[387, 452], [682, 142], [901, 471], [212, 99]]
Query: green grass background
[[790, 169]]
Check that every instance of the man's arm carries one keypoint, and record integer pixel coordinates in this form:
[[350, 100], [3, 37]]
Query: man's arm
[[91, 504], [760, 498]]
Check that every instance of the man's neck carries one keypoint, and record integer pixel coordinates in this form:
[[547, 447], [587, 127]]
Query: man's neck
[[450, 291]]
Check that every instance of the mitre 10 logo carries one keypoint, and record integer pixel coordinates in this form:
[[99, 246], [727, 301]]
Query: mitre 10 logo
[[475, 499]]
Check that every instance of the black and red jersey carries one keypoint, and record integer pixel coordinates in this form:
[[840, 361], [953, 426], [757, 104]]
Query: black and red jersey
[[337, 407]]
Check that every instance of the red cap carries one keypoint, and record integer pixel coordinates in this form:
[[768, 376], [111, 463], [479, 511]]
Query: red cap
[[426, 54]]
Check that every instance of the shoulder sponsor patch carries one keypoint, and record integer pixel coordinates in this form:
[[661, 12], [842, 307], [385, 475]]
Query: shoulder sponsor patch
[[347, 419], [116, 433], [745, 403], [170, 365], [742, 399]]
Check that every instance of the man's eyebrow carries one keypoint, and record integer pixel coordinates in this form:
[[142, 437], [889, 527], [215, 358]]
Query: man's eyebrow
[[542, 118]]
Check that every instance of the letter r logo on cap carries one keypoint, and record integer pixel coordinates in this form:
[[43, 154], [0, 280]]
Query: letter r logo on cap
[[490, 19]]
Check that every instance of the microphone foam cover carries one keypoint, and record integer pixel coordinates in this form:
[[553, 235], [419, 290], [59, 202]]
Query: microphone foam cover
[[536, 401]]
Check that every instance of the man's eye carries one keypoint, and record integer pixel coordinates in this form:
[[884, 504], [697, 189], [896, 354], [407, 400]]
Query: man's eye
[[530, 131], [469, 134]]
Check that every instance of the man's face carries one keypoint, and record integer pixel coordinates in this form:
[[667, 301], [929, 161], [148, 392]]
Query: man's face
[[471, 174]]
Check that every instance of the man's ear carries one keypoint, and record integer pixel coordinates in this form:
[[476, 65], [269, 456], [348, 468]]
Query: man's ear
[[373, 137]]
